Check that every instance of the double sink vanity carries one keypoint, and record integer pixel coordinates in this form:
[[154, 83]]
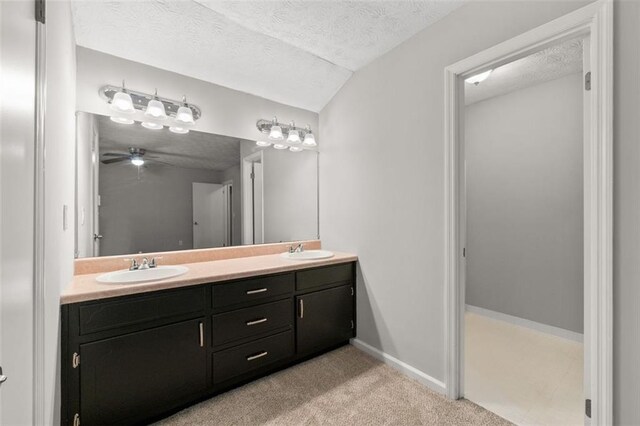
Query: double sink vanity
[[139, 351]]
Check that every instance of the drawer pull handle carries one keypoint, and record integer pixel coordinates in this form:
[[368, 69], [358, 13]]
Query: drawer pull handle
[[256, 356], [258, 321], [258, 290], [201, 326]]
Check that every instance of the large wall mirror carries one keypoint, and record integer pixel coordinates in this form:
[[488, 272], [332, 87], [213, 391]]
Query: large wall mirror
[[141, 190]]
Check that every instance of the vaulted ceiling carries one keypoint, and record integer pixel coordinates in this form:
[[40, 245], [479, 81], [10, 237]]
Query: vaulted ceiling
[[295, 52]]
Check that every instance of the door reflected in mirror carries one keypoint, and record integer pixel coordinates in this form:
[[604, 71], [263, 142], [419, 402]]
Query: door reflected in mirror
[[144, 191]]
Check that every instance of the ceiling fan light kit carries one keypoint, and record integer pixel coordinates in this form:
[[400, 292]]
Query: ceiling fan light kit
[[157, 111], [297, 139]]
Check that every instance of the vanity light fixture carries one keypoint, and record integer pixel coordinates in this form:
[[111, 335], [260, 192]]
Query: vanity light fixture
[[184, 114], [155, 108], [309, 139], [294, 135], [478, 78], [297, 139], [275, 134], [122, 102], [151, 125], [179, 130], [121, 120]]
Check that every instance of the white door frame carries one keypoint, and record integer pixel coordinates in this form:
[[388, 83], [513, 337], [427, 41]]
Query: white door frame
[[595, 21]]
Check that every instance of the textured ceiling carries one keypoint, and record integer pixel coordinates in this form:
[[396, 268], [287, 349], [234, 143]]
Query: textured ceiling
[[296, 52], [195, 150], [546, 65]]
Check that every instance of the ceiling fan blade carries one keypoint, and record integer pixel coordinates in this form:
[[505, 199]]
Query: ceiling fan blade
[[115, 154], [115, 160]]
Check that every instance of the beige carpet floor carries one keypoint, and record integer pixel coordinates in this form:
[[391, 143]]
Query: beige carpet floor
[[342, 387]]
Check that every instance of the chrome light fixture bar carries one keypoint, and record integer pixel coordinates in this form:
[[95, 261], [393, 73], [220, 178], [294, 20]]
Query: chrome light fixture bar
[[285, 136], [141, 101]]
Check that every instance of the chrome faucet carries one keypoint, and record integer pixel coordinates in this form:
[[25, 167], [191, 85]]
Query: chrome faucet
[[146, 264], [297, 249]]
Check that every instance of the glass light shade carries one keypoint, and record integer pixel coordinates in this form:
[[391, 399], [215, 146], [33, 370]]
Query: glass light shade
[[184, 115], [155, 109], [276, 133], [280, 146], [309, 139], [179, 130], [478, 78], [121, 120], [122, 102], [295, 149], [136, 160], [263, 143], [294, 136], [151, 125]]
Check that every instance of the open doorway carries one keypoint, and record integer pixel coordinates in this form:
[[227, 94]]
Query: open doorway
[[592, 23], [252, 199], [524, 295]]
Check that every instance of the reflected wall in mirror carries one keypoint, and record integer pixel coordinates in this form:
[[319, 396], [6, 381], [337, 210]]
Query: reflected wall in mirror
[[147, 191]]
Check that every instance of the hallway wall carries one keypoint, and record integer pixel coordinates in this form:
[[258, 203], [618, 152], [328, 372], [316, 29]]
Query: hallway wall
[[525, 203]]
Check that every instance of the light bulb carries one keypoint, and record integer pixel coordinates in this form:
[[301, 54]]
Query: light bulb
[[122, 102], [276, 133], [280, 146], [294, 136], [295, 149], [309, 139], [151, 125], [155, 108], [121, 120], [478, 78], [136, 160], [179, 130], [263, 143], [184, 114]]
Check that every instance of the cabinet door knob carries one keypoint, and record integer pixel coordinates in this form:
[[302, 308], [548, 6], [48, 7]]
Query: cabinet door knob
[[258, 321]]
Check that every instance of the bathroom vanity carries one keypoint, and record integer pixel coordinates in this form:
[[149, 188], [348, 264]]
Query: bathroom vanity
[[137, 357]]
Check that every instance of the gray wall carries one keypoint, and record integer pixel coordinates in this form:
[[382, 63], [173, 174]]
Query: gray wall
[[524, 203], [400, 283], [382, 175], [224, 111], [149, 212]]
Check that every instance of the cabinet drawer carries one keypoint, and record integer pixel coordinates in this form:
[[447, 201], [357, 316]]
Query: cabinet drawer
[[251, 356], [314, 278], [253, 290], [253, 321], [139, 309]]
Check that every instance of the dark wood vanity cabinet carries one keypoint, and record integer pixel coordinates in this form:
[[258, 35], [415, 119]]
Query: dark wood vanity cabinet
[[135, 359]]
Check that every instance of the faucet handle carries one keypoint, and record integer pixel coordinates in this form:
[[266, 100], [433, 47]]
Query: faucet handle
[[134, 264], [153, 262]]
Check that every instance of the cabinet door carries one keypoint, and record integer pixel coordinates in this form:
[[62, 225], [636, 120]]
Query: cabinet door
[[324, 319], [130, 378]]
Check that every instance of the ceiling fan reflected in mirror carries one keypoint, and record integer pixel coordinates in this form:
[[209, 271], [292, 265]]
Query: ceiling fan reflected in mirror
[[136, 156]]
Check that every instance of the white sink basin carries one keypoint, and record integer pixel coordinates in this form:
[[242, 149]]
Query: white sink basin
[[142, 275], [308, 255]]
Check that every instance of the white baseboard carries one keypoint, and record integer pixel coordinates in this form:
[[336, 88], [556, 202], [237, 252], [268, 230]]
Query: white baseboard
[[403, 367], [543, 328]]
